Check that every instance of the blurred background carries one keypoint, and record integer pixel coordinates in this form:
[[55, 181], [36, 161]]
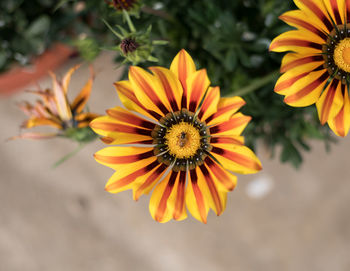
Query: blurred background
[[62, 219], [282, 218]]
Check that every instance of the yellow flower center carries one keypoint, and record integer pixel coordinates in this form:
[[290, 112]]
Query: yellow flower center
[[183, 140], [342, 55]]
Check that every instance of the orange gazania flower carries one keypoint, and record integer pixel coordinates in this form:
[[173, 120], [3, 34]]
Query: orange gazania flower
[[318, 68], [188, 133], [54, 109]]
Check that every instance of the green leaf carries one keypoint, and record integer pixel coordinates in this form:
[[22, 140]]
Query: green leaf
[[39, 27]]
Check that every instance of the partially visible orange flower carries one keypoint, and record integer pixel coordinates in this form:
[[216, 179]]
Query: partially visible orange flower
[[54, 109], [316, 69]]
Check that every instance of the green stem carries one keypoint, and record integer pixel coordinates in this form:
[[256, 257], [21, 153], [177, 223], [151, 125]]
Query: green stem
[[69, 155], [257, 83], [128, 20], [113, 31]]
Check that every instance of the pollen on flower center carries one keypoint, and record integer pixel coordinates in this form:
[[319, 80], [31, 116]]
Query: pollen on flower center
[[342, 55], [183, 140]]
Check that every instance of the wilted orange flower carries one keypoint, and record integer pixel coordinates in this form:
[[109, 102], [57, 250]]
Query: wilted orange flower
[[54, 109], [318, 68], [190, 141]]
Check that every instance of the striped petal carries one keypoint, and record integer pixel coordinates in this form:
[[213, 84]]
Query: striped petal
[[227, 180], [330, 102], [113, 157], [236, 158], [210, 103], [67, 77], [316, 12], [129, 100], [216, 196], [297, 18], [63, 107], [167, 200], [121, 132], [171, 86], [233, 126], [298, 41], [196, 203], [80, 101], [197, 84], [128, 176], [148, 90], [149, 182], [33, 122], [229, 139], [293, 60], [307, 90], [336, 8], [340, 125], [225, 110], [284, 83], [183, 67], [124, 116]]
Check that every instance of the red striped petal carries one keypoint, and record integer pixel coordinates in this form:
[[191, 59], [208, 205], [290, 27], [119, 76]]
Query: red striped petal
[[152, 179], [120, 114], [213, 190], [128, 179], [294, 20]]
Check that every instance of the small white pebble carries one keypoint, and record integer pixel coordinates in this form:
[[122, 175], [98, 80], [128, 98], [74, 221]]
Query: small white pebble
[[259, 187]]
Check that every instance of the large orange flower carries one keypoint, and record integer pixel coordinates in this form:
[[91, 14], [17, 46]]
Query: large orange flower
[[188, 134], [318, 69]]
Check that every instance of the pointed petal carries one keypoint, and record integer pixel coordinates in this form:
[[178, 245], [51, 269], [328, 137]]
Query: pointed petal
[[195, 199], [293, 60], [337, 10], [226, 108], [129, 100], [67, 76], [149, 182], [315, 11], [171, 85], [298, 19], [34, 136], [236, 158], [286, 80], [166, 197], [183, 66], [229, 139], [210, 103], [330, 102], [340, 125], [148, 90], [108, 126], [33, 122], [128, 176], [63, 108], [307, 90], [82, 98], [216, 197], [227, 180], [233, 126], [124, 116], [197, 84], [298, 41], [113, 157]]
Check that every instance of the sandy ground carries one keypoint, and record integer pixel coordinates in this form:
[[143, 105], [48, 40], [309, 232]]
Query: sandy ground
[[62, 219]]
